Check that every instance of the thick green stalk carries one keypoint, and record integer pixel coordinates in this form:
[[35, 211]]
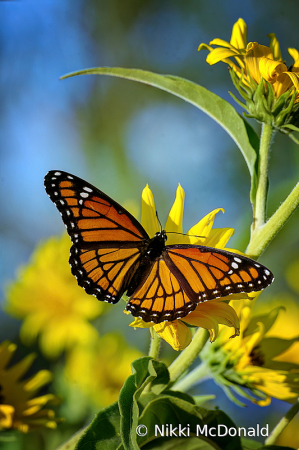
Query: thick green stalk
[[200, 373], [186, 358], [259, 213], [264, 235], [282, 424], [153, 352], [155, 344]]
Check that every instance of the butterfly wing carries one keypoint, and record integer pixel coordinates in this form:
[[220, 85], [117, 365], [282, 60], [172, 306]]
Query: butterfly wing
[[206, 273], [107, 240], [160, 297], [186, 275]]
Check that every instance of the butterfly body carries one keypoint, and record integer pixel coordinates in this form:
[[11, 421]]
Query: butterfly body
[[112, 254]]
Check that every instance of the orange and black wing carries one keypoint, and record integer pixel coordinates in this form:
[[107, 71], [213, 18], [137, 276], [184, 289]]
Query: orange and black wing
[[206, 273], [186, 275], [107, 239], [160, 297]]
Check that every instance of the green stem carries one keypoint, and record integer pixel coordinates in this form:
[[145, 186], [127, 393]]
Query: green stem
[[153, 352], [262, 178], [282, 424], [261, 239], [197, 375], [187, 356], [155, 344]]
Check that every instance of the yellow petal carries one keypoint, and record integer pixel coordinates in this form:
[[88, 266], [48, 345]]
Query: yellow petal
[[38, 380], [220, 54], [6, 416], [239, 34], [219, 237], [203, 320], [295, 55], [17, 371], [222, 43], [176, 333], [42, 400], [205, 47], [270, 69], [219, 311], [254, 52], [148, 212], [283, 84], [199, 233], [274, 46], [7, 349], [174, 223], [139, 323], [294, 77], [265, 402]]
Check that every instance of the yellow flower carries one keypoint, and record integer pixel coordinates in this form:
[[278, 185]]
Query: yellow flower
[[19, 408], [100, 370], [49, 301], [254, 61], [207, 314], [252, 360]]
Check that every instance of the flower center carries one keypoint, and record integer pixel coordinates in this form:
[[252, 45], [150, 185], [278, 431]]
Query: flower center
[[256, 357]]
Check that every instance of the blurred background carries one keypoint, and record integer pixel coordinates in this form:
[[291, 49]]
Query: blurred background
[[120, 135]]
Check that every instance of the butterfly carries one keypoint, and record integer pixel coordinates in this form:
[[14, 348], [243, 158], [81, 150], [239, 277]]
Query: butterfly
[[112, 254]]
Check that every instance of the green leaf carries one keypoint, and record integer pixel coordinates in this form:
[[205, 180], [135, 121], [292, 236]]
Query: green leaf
[[128, 397], [162, 378], [290, 126], [191, 443], [103, 432], [200, 399], [255, 143], [145, 371], [249, 444], [266, 319], [172, 413], [213, 105], [291, 136]]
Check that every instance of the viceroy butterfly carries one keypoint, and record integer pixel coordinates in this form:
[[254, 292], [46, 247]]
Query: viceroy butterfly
[[113, 254]]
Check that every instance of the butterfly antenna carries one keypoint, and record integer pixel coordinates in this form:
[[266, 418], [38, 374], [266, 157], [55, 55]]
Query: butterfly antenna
[[185, 234], [159, 221]]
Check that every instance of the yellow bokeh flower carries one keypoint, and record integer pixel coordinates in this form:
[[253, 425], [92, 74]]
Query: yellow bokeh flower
[[19, 408], [100, 370], [207, 314], [251, 364], [49, 301]]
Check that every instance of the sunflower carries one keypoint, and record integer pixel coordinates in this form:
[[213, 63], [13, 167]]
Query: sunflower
[[50, 303], [207, 314], [19, 407]]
